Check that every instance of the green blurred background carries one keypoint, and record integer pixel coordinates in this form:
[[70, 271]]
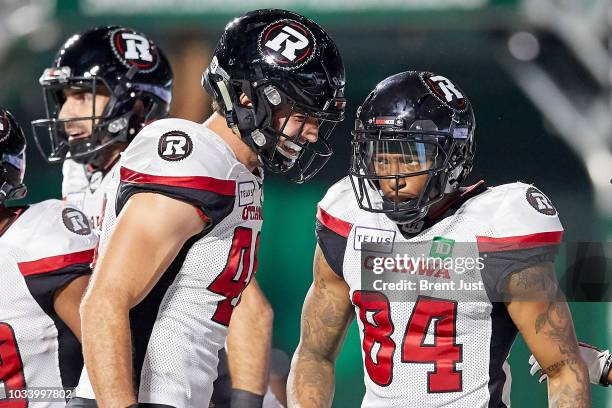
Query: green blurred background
[[537, 72]]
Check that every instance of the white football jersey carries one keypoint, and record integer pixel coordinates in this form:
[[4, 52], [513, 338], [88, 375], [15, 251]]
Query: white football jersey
[[437, 343], [85, 190], [47, 246], [179, 328]]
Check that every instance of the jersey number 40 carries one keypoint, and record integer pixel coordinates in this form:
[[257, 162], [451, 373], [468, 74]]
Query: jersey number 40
[[236, 275], [379, 347]]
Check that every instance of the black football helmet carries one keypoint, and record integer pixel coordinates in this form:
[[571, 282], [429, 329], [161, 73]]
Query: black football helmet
[[115, 61], [279, 60], [12, 158], [413, 124]]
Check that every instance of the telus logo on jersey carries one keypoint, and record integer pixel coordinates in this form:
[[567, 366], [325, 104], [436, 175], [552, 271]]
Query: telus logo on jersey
[[76, 221], [383, 239], [444, 91], [540, 202], [133, 49], [174, 145], [246, 193], [287, 44]]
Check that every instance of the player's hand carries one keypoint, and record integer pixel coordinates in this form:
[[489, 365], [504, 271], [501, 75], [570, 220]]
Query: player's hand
[[597, 361]]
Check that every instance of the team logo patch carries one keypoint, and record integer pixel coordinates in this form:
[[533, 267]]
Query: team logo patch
[[540, 202], [383, 240], [5, 128], [246, 193], [287, 44], [444, 91], [76, 221], [174, 145], [134, 49]]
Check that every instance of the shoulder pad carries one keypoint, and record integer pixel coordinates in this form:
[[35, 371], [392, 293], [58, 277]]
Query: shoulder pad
[[179, 147], [521, 215], [56, 235]]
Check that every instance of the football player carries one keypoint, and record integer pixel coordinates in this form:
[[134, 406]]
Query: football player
[[105, 84], [413, 145], [45, 254], [183, 215]]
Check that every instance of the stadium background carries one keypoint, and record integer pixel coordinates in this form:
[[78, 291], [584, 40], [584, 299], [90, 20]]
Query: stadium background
[[537, 72]]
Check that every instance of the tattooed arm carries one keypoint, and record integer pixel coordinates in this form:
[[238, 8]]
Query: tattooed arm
[[538, 308], [326, 315]]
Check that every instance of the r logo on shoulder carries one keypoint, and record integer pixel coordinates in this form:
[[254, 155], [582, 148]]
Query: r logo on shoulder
[[76, 221], [540, 202], [174, 145]]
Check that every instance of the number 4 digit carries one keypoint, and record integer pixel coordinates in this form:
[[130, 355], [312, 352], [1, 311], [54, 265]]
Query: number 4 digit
[[236, 275], [443, 352]]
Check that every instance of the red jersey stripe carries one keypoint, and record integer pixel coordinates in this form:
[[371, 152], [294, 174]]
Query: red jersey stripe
[[337, 225], [54, 263], [491, 244], [222, 187]]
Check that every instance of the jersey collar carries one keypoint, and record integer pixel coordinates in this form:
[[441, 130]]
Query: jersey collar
[[447, 209]]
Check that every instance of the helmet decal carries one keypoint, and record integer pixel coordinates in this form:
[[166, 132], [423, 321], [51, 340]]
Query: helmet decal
[[5, 127], [444, 91], [287, 44], [133, 49]]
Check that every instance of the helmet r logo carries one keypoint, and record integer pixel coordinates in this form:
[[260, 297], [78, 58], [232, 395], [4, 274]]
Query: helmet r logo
[[137, 47], [174, 146], [447, 87], [134, 49], [5, 128], [290, 46], [287, 44], [445, 91]]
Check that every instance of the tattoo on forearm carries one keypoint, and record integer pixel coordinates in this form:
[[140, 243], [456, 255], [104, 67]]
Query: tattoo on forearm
[[556, 324], [568, 397], [530, 279], [312, 383], [553, 368], [324, 322], [538, 283]]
